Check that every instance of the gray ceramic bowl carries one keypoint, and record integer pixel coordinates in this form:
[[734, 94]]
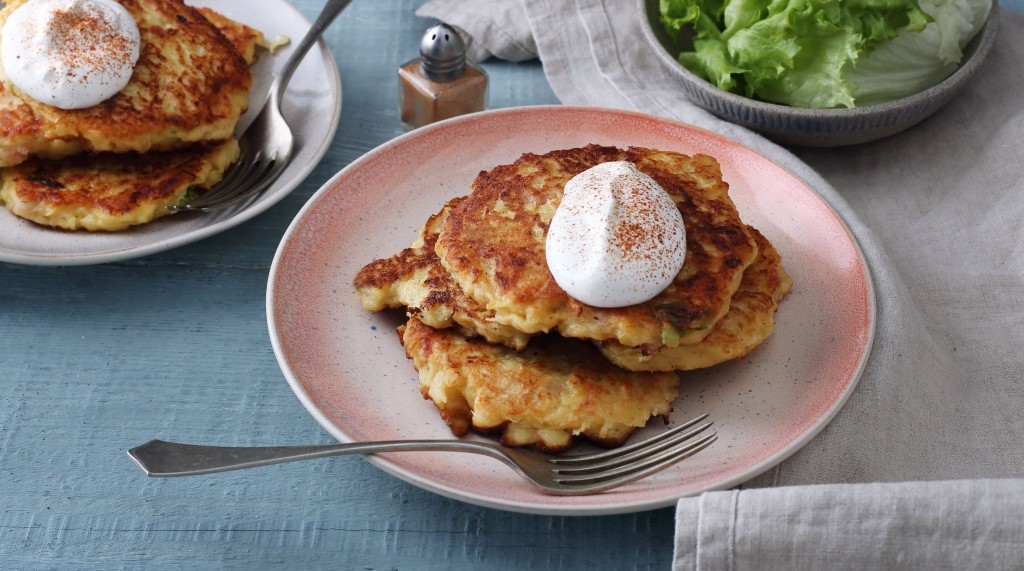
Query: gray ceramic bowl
[[817, 127]]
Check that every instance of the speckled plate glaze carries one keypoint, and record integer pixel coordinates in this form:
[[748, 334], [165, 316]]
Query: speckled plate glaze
[[312, 107], [348, 369]]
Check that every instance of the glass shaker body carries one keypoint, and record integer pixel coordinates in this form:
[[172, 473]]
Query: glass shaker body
[[424, 101], [440, 84]]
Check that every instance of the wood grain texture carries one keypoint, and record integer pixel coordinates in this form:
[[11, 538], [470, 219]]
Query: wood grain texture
[[98, 359]]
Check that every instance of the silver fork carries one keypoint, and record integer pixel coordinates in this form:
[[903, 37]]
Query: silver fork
[[559, 475], [268, 143]]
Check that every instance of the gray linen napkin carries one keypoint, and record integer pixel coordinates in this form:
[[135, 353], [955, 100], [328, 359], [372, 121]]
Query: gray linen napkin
[[952, 525], [929, 444]]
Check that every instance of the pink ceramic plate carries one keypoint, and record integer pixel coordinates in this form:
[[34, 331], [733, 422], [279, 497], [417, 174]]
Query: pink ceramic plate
[[349, 370]]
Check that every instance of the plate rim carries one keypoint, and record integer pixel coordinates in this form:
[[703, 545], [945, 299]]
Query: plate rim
[[612, 507], [271, 197]]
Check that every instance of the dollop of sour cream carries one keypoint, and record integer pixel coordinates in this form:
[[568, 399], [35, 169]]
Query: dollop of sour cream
[[617, 238], [70, 54]]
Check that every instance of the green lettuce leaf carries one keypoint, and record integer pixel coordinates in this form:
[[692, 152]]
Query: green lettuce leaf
[[914, 61], [818, 53]]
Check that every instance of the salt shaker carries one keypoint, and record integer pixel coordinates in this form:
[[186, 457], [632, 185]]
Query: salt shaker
[[440, 84]]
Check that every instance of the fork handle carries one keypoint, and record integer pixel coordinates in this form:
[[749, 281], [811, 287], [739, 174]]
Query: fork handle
[[327, 15], [160, 458]]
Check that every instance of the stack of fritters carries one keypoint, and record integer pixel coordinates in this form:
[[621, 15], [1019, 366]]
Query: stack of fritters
[[121, 162], [499, 346]]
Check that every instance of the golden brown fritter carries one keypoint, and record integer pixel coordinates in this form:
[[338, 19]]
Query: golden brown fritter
[[110, 192], [750, 320], [415, 279], [542, 398], [492, 243], [245, 39], [190, 84]]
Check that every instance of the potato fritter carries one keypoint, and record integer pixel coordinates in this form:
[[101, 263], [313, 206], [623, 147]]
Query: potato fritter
[[542, 398], [190, 84], [414, 278], [492, 243], [750, 320], [111, 192]]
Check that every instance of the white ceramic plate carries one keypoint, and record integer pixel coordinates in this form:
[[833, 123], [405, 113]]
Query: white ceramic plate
[[348, 369], [312, 107]]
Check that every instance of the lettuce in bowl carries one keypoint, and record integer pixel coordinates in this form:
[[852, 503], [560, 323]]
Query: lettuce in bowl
[[824, 53]]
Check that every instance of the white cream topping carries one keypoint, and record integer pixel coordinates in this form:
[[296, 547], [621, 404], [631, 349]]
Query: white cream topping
[[617, 238], [70, 54]]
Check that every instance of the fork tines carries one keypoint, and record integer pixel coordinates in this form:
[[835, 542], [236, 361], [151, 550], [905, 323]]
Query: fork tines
[[622, 465]]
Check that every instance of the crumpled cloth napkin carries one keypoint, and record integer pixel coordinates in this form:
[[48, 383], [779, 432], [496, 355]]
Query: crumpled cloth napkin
[[924, 466]]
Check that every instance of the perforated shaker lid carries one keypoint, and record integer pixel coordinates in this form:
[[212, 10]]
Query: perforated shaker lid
[[442, 53]]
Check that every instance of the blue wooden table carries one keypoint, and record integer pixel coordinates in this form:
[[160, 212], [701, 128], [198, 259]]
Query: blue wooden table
[[98, 359]]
